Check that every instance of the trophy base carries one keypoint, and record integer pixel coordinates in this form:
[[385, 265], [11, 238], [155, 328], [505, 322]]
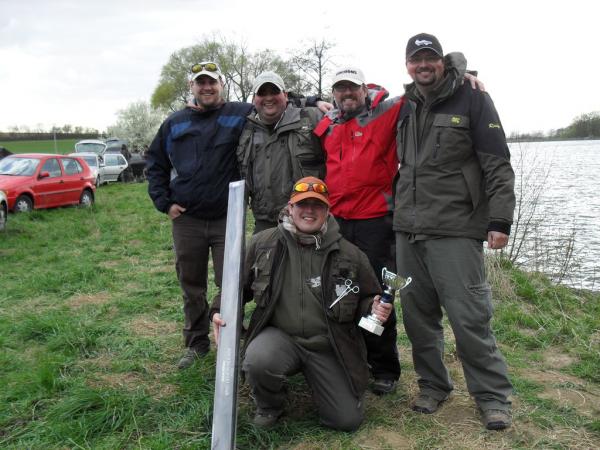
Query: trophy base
[[371, 324]]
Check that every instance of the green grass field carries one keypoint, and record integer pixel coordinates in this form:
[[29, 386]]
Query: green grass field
[[63, 146], [90, 332]]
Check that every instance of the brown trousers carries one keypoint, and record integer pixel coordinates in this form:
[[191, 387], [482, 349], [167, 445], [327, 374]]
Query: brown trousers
[[193, 238]]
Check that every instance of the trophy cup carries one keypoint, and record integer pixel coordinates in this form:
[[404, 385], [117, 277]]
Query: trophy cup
[[391, 283]]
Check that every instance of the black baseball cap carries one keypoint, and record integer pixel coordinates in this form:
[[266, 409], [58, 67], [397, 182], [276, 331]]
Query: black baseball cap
[[423, 41]]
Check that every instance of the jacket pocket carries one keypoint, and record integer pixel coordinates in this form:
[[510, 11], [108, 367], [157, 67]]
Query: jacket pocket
[[471, 171], [343, 270], [451, 138], [344, 310], [185, 153], [262, 276]]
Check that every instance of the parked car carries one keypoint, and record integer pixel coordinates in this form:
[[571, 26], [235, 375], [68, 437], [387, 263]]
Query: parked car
[[115, 165], [96, 163], [114, 145], [137, 166], [90, 146], [39, 180], [4, 152], [3, 210]]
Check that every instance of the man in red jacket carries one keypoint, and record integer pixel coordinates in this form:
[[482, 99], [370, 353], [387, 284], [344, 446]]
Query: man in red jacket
[[359, 139]]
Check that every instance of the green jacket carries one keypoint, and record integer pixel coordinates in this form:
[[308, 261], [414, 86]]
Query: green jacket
[[271, 160], [455, 176], [268, 260]]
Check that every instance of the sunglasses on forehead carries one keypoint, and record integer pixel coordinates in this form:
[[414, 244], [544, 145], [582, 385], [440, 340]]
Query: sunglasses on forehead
[[315, 187], [209, 67]]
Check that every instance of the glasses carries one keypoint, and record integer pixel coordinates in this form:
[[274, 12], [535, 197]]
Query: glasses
[[344, 87], [208, 66], [429, 59], [315, 187]]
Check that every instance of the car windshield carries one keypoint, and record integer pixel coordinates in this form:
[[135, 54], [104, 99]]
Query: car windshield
[[92, 147], [18, 166], [91, 160]]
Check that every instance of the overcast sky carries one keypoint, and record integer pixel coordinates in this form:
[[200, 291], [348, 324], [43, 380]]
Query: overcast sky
[[79, 61]]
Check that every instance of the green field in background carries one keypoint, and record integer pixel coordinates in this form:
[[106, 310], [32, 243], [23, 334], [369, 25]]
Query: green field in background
[[61, 146]]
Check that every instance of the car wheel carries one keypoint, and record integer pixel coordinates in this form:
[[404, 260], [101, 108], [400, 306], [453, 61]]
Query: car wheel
[[23, 204], [3, 217], [86, 199]]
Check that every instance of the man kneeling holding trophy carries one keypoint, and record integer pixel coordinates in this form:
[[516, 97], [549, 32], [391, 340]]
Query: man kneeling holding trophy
[[311, 288]]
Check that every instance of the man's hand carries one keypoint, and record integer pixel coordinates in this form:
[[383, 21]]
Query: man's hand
[[324, 107], [496, 240], [217, 324], [381, 310], [476, 83], [175, 211]]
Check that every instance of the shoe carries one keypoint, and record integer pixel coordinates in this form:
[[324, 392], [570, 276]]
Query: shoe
[[266, 419], [382, 386], [190, 356], [426, 404], [496, 419]]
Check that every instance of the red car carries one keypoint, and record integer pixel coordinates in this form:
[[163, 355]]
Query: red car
[[39, 180]]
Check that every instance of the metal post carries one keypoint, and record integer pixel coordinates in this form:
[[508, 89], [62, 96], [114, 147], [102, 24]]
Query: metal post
[[226, 382]]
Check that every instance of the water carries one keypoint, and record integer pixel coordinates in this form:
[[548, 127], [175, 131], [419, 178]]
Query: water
[[559, 188]]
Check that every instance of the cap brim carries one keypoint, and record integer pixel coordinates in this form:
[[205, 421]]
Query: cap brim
[[257, 88], [351, 80], [417, 50], [309, 194], [213, 75]]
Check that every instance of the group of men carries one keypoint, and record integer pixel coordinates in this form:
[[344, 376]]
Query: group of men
[[413, 183]]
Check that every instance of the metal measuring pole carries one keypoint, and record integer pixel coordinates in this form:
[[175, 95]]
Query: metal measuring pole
[[226, 382]]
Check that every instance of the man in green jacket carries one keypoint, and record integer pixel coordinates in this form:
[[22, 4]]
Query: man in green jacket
[[295, 273], [277, 147], [455, 190]]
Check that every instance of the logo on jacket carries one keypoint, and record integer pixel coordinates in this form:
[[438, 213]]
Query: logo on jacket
[[423, 42], [315, 282], [455, 120], [494, 125]]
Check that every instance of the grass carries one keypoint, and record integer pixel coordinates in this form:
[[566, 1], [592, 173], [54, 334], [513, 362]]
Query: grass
[[63, 146], [90, 320]]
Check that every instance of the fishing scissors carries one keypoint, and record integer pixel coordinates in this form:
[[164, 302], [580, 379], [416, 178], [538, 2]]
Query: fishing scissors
[[349, 288]]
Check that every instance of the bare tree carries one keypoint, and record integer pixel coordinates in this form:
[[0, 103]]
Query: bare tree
[[313, 62], [303, 73]]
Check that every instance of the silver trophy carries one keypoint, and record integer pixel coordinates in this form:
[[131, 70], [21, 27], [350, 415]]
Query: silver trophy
[[391, 284]]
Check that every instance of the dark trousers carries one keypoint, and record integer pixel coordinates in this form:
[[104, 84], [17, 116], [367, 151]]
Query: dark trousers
[[272, 356], [449, 275], [261, 225], [375, 238], [193, 239]]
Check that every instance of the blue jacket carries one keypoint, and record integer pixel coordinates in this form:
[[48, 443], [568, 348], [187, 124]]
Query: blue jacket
[[192, 159]]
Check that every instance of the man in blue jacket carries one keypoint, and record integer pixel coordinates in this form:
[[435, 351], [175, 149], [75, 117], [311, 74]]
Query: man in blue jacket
[[190, 164]]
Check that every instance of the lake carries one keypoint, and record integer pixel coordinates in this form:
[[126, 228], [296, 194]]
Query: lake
[[558, 205]]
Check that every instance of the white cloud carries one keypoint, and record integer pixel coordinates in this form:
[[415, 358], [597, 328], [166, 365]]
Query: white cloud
[[79, 62]]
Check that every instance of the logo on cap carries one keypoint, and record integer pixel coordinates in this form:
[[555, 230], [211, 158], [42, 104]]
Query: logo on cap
[[422, 42]]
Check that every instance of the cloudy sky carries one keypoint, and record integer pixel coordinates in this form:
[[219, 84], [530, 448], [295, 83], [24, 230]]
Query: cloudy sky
[[80, 61]]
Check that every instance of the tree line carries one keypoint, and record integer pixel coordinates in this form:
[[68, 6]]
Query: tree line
[[585, 126]]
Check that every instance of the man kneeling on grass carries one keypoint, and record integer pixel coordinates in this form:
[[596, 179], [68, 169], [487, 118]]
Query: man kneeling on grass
[[295, 273]]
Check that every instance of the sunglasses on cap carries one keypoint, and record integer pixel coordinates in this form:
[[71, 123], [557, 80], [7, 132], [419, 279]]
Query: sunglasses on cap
[[208, 66], [315, 187]]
